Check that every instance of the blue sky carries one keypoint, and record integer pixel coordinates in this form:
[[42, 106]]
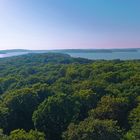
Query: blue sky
[[69, 24]]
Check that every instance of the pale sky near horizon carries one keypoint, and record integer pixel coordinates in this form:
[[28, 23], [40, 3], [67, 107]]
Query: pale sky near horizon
[[69, 24]]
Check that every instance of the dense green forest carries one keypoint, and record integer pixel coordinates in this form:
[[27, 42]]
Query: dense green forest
[[56, 97]]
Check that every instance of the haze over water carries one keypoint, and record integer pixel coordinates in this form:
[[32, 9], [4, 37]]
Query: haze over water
[[106, 56]]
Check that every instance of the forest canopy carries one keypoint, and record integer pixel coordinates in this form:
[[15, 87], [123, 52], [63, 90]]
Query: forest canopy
[[56, 97]]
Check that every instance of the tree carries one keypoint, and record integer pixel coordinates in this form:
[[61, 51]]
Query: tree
[[21, 105], [134, 133], [87, 99], [112, 108], [54, 115], [2, 136], [21, 134], [91, 129], [134, 120], [134, 116], [4, 117]]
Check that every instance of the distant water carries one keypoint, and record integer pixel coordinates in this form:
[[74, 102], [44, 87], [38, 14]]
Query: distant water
[[12, 54], [108, 56], [94, 55]]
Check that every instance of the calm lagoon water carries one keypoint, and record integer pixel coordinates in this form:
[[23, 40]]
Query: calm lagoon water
[[108, 56], [12, 54], [94, 56]]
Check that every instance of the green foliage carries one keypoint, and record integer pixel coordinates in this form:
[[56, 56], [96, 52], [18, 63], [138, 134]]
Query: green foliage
[[21, 105], [134, 133], [111, 108], [134, 116], [23, 135], [134, 120], [87, 99], [91, 129], [48, 92], [54, 115], [4, 117], [2, 136]]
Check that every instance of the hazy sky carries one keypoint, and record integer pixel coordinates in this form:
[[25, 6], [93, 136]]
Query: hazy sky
[[58, 24]]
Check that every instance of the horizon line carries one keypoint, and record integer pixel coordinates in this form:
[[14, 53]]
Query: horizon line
[[68, 49]]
